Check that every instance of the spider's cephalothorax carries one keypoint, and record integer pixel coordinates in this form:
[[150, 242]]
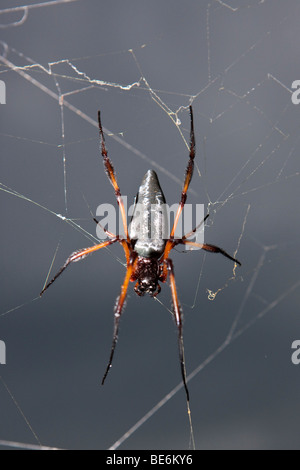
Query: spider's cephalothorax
[[147, 244], [147, 274]]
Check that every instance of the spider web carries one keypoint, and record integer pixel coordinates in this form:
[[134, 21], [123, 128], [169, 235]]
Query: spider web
[[143, 63]]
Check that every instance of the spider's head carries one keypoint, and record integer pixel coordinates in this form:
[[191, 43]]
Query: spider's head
[[147, 285], [147, 275]]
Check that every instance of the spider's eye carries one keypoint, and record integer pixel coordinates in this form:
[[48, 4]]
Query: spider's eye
[[144, 284], [147, 285]]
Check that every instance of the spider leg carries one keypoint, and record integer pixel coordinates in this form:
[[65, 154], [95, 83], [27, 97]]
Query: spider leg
[[76, 256], [119, 310], [211, 248], [188, 174], [171, 243], [112, 177], [189, 234], [109, 234], [121, 240], [178, 318]]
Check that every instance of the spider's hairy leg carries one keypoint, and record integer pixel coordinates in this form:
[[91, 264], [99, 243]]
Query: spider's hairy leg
[[172, 242], [109, 234], [178, 318], [211, 248], [112, 177], [124, 243], [119, 310], [192, 232], [188, 174], [76, 256]]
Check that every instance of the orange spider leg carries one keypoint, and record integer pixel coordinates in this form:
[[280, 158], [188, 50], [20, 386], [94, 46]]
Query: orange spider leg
[[192, 232], [188, 175], [178, 318], [211, 248], [119, 309], [123, 242], [78, 255], [169, 246], [112, 178]]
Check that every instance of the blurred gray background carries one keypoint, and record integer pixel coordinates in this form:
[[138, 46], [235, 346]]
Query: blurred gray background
[[235, 61]]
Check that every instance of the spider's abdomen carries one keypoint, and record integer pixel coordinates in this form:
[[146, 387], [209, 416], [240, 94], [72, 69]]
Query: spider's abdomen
[[148, 228]]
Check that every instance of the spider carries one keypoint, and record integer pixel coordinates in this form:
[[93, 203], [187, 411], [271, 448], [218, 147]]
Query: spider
[[147, 255]]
